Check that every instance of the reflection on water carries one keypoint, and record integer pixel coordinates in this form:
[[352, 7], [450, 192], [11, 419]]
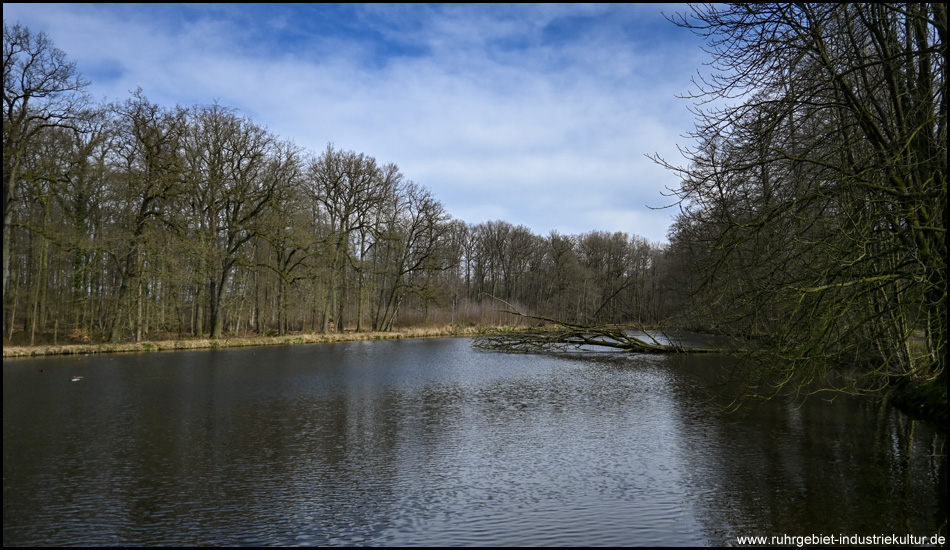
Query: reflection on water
[[429, 442]]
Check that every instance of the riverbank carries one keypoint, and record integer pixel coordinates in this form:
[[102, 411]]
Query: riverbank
[[237, 342], [926, 401]]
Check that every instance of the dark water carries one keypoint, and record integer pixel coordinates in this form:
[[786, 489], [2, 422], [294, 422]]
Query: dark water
[[428, 442]]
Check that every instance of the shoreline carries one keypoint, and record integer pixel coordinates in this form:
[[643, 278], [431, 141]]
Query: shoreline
[[926, 402], [237, 342]]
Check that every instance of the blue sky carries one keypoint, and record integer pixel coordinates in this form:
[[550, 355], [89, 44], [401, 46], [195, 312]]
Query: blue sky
[[534, 114]]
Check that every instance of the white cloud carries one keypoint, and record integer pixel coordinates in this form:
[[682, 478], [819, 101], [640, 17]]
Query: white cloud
[[536, 115]]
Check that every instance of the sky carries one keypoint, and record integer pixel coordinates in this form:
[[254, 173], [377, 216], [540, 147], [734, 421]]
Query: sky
[[538, 115]]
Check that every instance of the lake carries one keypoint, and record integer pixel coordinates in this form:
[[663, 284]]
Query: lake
[[431, 443]]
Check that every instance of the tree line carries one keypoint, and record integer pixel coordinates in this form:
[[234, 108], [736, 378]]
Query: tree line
[[812, 222], [813, 206], [133, 220]]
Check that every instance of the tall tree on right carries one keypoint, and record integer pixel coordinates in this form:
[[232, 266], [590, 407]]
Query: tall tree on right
[[815, 199]]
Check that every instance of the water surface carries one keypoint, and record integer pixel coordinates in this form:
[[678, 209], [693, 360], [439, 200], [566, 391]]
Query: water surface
[[429, 442]]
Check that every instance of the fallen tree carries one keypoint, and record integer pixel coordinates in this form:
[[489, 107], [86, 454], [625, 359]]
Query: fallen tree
[[554, 335]]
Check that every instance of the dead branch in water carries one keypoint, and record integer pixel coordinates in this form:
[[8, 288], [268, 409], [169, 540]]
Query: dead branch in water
[[557, 335]]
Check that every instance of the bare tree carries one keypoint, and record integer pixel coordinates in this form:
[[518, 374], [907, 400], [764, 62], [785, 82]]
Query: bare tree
[[287, 230], [815, 201], [41, 89], [233, 169], [565, 277], [150, 172], [415, 246], [345, 188]]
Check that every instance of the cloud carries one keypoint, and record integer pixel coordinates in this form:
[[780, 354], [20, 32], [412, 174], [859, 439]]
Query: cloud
[[539, 115]]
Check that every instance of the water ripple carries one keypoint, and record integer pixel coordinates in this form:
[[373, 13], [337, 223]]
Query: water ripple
[[430, 443]]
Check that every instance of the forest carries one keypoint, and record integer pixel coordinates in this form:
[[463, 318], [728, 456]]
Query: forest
[[814, 201], [811, 225], [139, 221]]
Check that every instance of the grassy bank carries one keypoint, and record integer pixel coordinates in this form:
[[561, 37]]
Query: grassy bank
[[236, 342]]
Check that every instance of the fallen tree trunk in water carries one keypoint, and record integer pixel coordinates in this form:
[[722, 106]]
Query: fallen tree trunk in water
[[562, 336]]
